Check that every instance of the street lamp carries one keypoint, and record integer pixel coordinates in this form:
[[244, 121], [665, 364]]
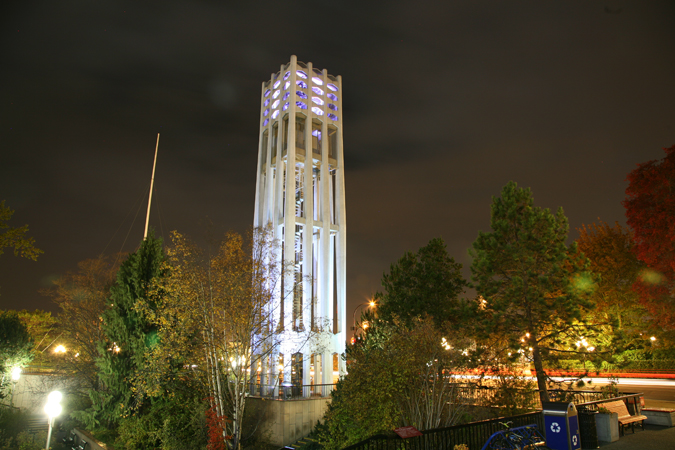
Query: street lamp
[[53, 409], [371, 304]]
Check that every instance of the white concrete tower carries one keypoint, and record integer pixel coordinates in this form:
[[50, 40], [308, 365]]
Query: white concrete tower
[[300, 193]]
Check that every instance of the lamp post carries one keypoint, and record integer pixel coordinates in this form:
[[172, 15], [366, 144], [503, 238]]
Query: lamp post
[[53, 409], [371, 304]]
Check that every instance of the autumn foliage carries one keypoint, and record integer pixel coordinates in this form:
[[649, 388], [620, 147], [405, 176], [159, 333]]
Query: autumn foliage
[[650, 203], [216, 425]]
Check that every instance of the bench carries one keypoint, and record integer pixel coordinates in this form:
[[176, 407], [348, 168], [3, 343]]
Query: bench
[[625, 418], [660, 416]]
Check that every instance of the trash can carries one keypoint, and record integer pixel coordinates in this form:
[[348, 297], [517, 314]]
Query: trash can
[[561, 424], [588, 429]]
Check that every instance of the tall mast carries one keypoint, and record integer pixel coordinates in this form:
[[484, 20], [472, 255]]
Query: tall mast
[[152, 184]]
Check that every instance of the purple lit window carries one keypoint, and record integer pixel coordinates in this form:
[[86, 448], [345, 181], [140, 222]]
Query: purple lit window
[[332, 106], [265, 122], [285, 97], [317, 100], [266, 112], [316, 110], [332, 87], [266, 102], [277, 83], [285, 107], [302, 84], [286, 84], [332, 97], [317, 90], [301, 105], [317, 80], [333, 117], [275, 104], [301, 94], [286, 75], [302, 74], [267, 93], [275, 114], [316, 133], [276, 93]]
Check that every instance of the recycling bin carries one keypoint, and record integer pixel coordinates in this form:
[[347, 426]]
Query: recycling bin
[[561, 424]]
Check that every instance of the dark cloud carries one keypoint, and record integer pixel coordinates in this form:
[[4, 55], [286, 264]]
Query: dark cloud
[[444, 103]]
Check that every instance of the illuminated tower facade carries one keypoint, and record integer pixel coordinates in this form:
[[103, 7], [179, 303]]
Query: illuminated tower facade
[[300, 193]]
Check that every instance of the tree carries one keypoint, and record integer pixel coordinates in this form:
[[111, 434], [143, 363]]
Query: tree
[[82, 297], [16, 347], [650, 203], [41, 326], [426, 282], [214, 314], [16, 238], [616, 268], [398, 376], [534, 286], [127, 335]]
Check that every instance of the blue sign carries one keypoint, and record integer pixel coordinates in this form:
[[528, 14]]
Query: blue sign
[[556, 432]]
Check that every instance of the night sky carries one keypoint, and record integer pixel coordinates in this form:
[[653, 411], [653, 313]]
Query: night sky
[[444, 103]]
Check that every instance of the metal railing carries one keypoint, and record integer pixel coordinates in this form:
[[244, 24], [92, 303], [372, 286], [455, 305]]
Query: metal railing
[[290, 391], [473, 435], [633, 403]]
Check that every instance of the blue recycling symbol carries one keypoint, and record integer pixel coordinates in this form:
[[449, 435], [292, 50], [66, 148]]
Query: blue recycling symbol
[[555, 427]]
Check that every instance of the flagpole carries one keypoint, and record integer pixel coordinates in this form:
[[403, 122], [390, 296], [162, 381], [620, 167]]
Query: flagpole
[[152, 184]]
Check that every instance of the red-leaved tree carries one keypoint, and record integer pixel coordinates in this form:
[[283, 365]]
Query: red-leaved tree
[[650, 210]]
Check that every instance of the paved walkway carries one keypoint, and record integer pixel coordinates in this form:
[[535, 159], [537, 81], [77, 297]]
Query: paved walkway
[[652, 438]]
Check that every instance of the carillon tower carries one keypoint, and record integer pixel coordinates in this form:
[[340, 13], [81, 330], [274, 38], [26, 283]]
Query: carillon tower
[[300, 193]]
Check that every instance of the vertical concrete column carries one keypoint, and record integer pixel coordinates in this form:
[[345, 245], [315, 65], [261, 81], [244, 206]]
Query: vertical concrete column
[[341, 221], [327, 372], [259, 186], [305, 373], [289, 216], [268, 206], [326, 251]]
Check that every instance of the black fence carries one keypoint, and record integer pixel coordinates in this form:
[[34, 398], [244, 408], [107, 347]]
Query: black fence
[[485, 396], [474, 435]]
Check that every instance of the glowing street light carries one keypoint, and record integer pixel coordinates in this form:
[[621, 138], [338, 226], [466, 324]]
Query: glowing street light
[[53, 409], [370, 303], [60, 349]]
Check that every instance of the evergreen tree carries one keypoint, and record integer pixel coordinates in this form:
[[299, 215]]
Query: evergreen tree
[[426, 282], [127, 335], [534, 286]]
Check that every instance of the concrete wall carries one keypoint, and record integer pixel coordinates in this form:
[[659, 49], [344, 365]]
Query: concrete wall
[[288, 421], [93, 444], [30, 392]]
